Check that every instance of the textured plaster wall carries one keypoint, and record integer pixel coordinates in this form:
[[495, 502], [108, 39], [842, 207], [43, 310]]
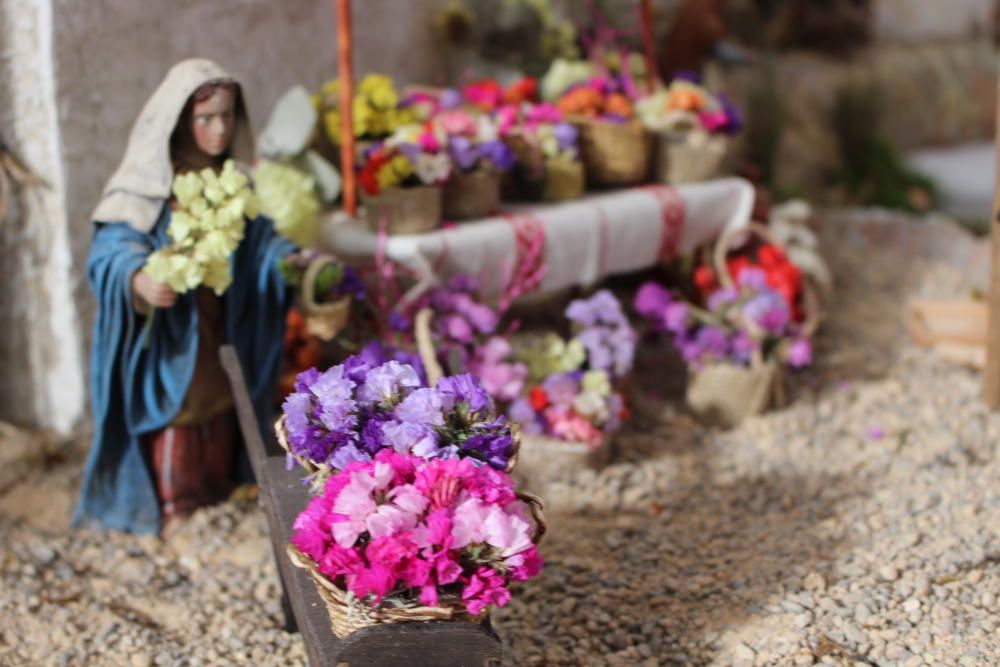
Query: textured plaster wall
[[42, 371]]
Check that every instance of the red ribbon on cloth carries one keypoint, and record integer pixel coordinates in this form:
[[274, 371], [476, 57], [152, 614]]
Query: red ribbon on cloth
[[672, 214], [529, 262]]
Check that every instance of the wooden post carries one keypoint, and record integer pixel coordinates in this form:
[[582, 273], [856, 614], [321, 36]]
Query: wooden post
[[991, 377], [346, 76], [646, 20]]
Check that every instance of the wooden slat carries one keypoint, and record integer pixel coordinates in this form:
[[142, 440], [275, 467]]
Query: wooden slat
[[405, 645], [991, 377]]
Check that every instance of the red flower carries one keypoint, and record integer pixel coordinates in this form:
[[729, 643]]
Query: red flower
[[523, 90], [736, 266], [538, 398], [771, 256], [704, 279]]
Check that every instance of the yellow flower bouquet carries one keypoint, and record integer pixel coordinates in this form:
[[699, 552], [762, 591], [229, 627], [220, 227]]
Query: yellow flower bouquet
[[206, 226]]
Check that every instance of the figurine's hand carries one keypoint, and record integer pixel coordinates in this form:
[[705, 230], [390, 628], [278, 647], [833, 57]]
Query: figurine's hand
[[156, 294]]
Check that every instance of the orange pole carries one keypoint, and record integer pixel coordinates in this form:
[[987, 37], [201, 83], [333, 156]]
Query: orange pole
[[346, 75], [646, 19]]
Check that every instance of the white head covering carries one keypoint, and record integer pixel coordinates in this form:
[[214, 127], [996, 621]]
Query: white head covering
[[142, 182]]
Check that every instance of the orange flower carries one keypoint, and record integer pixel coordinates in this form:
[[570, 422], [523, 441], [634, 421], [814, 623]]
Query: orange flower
[[618, 105]]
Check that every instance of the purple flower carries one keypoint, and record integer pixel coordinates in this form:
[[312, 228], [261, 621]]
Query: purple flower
[[735, 118], [742, 346], [480, 316], [384, 384], [566, 135], [688, 75], [409, 151], [463, 282], [769, 310], [498, 153], [423, 406], [490, 442], [462, 152], [753, 277], [675, 317], [346, 455], [456, 328], [398, 321], [722, 297], [650, 300], [450, 99], [521, 412], [465, 388], [562, 388], [800, 353], [409, 437], [599, 354], [373, 434], [334, 393], [712, 340]]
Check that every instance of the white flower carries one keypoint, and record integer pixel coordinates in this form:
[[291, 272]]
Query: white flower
[[432, 168], [591, 405]]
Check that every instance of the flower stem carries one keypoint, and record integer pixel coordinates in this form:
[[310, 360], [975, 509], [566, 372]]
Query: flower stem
[[147, 330]]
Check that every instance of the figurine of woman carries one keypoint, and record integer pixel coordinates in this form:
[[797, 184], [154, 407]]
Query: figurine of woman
[[165, 439]]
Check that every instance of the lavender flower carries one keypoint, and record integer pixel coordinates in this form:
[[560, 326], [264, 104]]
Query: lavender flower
[[800, 353], [650, 300], [462, 152], [562, 388], [423, 406], [466, 389], [450, 99], [490, 442], [403, 437], [566, 135], [498, 154], [384, 384], [521, 412]]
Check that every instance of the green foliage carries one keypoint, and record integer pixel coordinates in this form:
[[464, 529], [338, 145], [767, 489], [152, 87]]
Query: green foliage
[[765, 122], [871, 170]]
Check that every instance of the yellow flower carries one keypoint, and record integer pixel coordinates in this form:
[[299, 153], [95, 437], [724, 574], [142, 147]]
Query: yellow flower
[[386, 177], [186, 188], [402, 166], [218, 277], [331, 123], [379, 89], [288, 196], [573, 355]]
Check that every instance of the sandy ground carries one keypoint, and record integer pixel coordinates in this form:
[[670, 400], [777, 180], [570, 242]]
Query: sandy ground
[[856, 526]]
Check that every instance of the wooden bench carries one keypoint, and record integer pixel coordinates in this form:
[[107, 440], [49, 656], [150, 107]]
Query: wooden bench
[[283, 496]]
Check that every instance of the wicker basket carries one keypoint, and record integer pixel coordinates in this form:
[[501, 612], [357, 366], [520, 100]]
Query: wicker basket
[[689, 157], [614, 154], [347, 615], [470, 195], [405, 210], [725, 394], [543, 460], [323, 320], [536, 178]]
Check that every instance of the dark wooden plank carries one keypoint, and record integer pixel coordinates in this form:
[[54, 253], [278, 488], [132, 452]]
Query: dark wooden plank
[[283, 496]]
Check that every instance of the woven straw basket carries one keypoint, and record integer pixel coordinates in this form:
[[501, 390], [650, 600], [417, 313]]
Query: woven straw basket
[[537, 178], [347, 615], [323, 320], [614, 154], [470, 195], [405, 210], [686, 157], [726, 394]]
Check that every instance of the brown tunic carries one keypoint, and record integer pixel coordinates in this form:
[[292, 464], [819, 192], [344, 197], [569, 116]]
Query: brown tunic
[[209, 393]]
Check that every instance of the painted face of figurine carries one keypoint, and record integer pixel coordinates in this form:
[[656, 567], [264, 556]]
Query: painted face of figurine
[[213, 121]]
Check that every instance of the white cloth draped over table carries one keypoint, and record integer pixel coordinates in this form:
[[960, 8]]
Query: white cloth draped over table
[[582, 241]]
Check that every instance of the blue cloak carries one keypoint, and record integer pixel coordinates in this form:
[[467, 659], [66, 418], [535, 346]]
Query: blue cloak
[[136, 390]]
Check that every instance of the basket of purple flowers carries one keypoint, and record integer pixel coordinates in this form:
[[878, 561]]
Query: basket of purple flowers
[[738, 345], [365, 404], [473, 188]]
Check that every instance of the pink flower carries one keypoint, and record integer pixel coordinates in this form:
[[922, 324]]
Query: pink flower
[[417, 573], [525, 565], [339, 561], [506, 531], [428, 142], [376, 580], [506, 118], [457, 122], [713, 121], [503, 381], [469, 522], [570, 426], [387, 520], [436, 531], [491, 486], [485, 588], [391, 550]]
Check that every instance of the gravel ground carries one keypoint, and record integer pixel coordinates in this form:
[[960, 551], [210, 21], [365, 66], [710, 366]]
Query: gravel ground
[[857, 526]]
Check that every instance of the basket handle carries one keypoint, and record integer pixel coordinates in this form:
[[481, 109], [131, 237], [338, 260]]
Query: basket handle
[[535, 505], [726, 243], [309, 280], [425, 346]]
